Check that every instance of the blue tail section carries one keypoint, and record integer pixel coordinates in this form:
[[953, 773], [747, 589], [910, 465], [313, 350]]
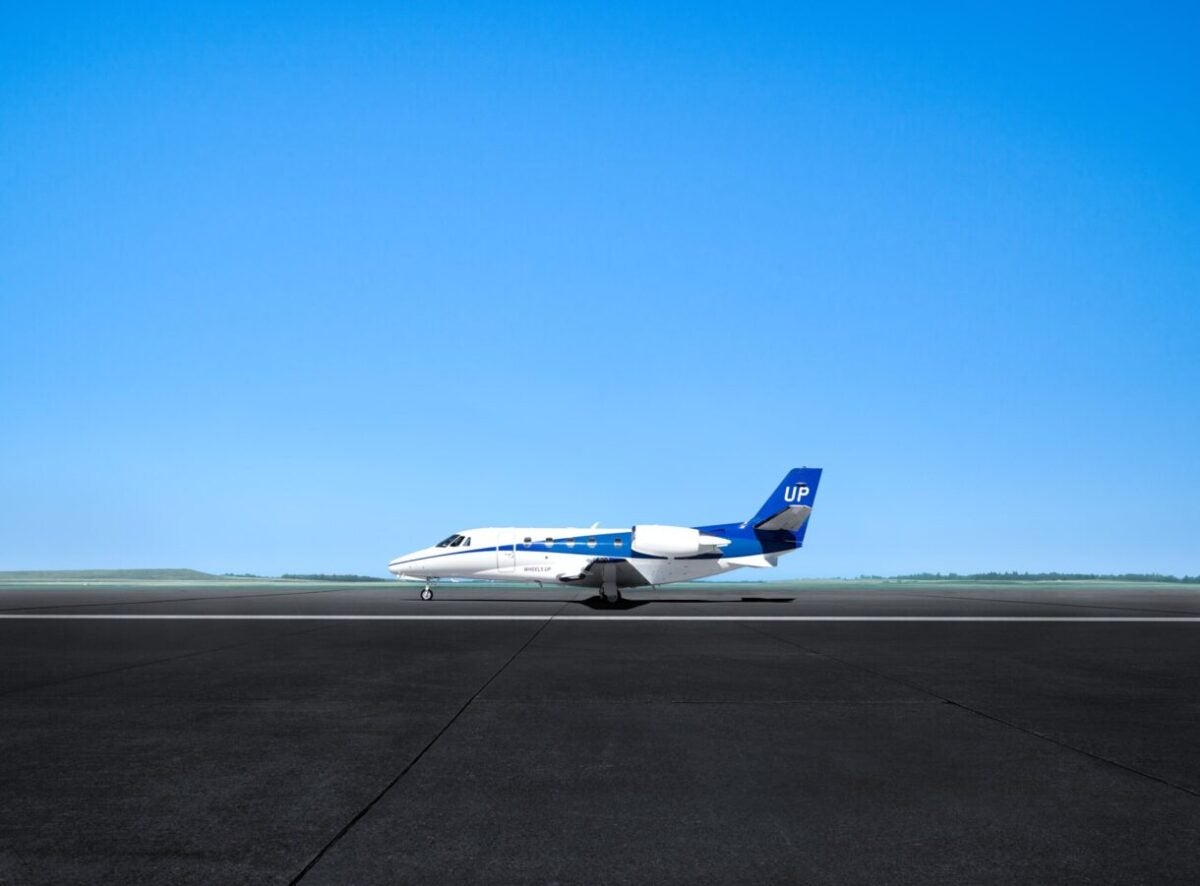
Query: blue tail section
[[789, 505]]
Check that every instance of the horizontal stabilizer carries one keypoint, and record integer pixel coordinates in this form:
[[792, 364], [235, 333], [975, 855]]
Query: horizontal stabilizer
[[790, 518], [757, 561]]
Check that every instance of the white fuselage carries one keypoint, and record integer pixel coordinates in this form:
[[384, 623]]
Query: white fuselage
[[547, 555]]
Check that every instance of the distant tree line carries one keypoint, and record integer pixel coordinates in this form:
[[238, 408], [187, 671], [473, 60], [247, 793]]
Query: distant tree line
[[321, 576], [1049, 576]]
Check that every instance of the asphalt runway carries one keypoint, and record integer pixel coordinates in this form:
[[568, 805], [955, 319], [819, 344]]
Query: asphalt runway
[[259, 733]]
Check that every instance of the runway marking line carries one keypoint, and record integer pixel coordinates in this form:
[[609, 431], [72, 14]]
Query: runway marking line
[[183, 616]]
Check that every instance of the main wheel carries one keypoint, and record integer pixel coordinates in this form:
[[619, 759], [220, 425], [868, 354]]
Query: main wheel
[[426, 594]]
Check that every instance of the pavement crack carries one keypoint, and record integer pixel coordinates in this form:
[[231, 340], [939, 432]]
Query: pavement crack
[[346, 828], [978, 712]]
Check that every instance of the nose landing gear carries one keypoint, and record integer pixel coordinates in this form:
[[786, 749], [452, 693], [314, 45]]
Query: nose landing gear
[[427, 592]]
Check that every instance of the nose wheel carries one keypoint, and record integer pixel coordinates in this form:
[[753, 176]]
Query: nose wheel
[[427, 593]]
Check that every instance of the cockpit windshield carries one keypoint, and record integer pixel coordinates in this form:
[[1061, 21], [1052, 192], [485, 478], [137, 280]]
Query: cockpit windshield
[[451, 542]]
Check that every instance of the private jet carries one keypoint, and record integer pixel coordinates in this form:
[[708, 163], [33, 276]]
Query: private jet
[[611, 560]]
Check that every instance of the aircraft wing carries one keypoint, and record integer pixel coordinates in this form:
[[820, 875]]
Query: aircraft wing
[[627, 575]]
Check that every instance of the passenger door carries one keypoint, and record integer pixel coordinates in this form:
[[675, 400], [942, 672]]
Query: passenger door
[[506, 557]]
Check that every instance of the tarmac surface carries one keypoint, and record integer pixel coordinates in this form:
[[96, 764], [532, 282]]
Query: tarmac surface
[[320, 734]]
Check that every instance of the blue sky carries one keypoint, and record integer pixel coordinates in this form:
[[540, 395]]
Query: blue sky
[[300, 288]]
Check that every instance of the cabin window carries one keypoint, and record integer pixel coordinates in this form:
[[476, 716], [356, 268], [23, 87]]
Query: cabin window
[[618, 541], [591, 542], [570, 542], [549, 542], [528, 541]]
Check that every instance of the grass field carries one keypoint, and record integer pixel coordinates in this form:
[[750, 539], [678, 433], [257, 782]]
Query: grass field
[[108, 575]]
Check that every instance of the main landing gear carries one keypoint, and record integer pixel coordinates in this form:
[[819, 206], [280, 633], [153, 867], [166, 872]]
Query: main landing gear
[[610, 596], [609, 592]]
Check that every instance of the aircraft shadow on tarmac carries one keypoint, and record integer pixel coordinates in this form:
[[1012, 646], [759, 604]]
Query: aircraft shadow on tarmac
[[599, 604], [604, 606]]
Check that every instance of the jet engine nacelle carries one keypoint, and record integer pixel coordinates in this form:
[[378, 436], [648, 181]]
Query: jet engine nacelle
[[674, 541]]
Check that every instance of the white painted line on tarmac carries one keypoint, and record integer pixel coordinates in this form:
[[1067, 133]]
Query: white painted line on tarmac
[[183, 616]]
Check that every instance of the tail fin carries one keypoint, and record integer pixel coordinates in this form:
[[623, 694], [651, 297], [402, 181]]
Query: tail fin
[[789, 506]]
